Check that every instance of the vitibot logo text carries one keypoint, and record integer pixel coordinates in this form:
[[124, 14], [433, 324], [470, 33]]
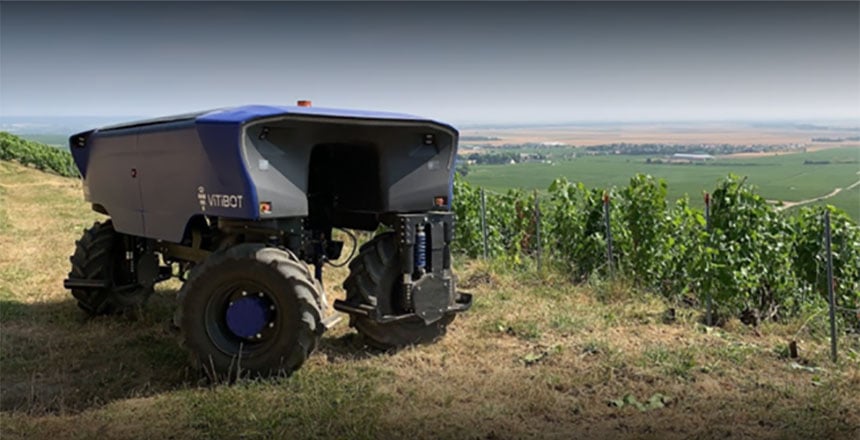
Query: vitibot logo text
[[217, 200]]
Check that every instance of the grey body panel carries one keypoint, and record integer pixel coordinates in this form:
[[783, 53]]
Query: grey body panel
[[109, 180], [172, 168], [153, 178], [148, 178]]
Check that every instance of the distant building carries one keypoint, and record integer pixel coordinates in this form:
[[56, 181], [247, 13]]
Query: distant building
[[691, 157], [529, 157]]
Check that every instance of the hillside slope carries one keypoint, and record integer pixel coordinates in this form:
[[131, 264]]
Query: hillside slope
[[537, 357]]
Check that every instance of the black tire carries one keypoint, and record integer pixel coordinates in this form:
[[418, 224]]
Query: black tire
[[100, 255], [281, 280], [376, 270]]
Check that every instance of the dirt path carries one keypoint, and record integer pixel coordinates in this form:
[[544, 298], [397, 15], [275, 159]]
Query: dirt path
[[786, 205]]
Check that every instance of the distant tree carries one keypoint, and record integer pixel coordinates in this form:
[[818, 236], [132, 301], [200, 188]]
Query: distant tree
[[462, 168]]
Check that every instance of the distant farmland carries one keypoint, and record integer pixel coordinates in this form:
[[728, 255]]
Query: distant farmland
[[54, 140], [847, 200], [785, 177]]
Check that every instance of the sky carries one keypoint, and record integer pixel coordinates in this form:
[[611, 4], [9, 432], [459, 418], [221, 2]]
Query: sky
[[458, 62]]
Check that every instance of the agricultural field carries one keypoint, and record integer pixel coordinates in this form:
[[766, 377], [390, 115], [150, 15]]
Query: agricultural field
[[780, 177], [538, 356], [849, 200], [672, 132], [55, 140]]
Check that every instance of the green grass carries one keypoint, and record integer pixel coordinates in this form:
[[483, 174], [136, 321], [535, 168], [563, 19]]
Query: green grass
[[678, 363], [783, 177]]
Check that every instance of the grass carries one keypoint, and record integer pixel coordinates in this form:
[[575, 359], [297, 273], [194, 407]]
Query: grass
[[783, 177], [537, 357]]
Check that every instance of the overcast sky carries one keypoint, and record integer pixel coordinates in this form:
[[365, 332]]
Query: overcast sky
[[465, 63]]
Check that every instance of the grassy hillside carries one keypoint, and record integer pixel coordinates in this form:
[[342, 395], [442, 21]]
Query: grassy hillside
[[782, 177], [537, 357]]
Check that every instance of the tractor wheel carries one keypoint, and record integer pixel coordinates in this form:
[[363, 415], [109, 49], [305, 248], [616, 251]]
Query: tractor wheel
[[100, 256], [249, 310], [376, 270]]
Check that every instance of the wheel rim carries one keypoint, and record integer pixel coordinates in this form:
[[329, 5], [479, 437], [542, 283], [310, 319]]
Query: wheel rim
[[247, 316], [242, 318]]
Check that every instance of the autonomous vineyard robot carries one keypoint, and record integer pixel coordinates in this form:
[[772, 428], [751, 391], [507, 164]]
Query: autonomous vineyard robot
[[238, 203]]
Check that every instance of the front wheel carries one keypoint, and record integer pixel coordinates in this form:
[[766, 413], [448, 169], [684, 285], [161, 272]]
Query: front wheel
[[250, 310], [374, 277]]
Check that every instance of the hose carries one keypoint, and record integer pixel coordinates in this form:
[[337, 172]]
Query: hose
[[351, 254]]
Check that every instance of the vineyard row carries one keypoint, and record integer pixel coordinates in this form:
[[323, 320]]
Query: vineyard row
[[748, 258]]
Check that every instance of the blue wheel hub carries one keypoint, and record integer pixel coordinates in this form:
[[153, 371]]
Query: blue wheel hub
[[248, 316]]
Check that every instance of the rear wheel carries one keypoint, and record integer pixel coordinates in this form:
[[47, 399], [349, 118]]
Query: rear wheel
[[375, 271], [100, 256], [250, 310]]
